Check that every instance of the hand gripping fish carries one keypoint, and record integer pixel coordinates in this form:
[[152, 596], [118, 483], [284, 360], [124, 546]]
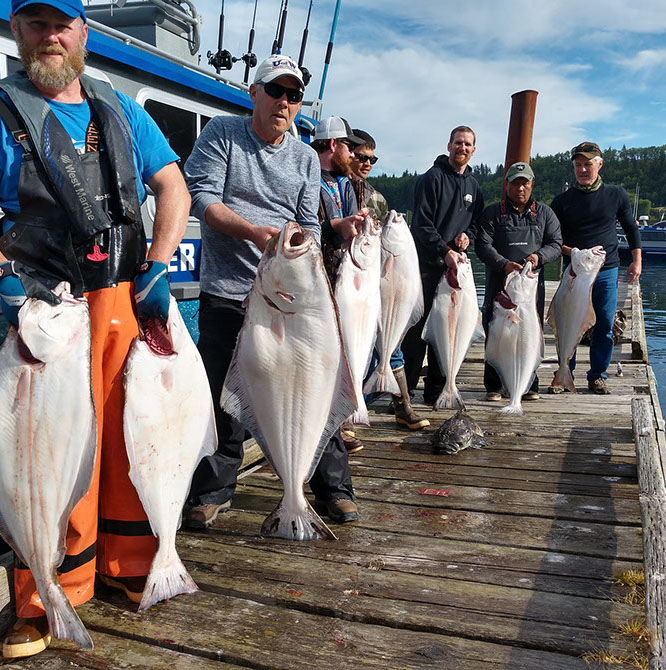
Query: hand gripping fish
[[453, 324], [49, 443], [289, 382], [515, 338], [359, 305], [402, 298], [571, 313], [169, 427]]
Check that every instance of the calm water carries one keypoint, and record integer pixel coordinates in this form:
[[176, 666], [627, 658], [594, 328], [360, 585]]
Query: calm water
[[653, 283]]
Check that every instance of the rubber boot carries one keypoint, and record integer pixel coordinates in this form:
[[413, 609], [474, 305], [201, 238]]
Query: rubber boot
[[404, 414]]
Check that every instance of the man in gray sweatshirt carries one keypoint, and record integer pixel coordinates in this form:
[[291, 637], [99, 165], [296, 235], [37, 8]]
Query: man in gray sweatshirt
[[247, 177]]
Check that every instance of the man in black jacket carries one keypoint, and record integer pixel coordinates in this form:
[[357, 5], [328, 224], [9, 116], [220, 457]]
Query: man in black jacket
[[447, 203], [589, 212], [510, 233]]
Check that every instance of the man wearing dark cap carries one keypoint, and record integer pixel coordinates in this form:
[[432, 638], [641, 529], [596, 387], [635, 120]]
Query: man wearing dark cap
[[588, 213], [248, 177], [93, 238], [510, 233], [447, 204]]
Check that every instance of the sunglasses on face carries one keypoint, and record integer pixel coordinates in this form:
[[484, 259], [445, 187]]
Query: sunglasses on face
[[276, 91], [362, 158]]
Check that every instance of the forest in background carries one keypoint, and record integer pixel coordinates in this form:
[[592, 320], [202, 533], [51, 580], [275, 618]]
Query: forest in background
[[645, 167]]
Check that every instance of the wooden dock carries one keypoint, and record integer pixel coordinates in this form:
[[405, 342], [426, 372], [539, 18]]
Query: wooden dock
[[498, 558]]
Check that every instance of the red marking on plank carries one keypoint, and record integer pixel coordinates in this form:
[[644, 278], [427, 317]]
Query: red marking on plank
[[434, 492]]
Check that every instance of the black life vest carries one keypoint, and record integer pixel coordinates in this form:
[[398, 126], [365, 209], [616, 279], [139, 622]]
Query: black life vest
[[80, 218]]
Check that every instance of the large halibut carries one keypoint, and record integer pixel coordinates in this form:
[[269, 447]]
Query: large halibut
[[402, 298], [359, 304], [289, 382], [515, 338], [49, 442], [571, 313], [453, 323], [169, 427]]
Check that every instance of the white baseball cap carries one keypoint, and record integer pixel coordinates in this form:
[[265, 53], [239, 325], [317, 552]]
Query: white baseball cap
[[336, 128], [278, 66]]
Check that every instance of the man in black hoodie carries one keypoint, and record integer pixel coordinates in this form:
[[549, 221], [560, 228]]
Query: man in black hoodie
[[447, 204]]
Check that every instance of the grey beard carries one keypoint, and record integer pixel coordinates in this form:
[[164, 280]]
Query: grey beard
[[48, 77]]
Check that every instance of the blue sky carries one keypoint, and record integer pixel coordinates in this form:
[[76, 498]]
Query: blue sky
[[407, 72]]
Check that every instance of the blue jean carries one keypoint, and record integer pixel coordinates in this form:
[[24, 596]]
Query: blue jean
[[604, 302]]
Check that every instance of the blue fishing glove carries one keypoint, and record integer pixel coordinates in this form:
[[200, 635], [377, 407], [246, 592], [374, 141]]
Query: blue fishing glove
[[16, 285], [151, 291], [12, 293]]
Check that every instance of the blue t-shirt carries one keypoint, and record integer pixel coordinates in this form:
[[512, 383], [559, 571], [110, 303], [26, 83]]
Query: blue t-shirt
[[151, 149]]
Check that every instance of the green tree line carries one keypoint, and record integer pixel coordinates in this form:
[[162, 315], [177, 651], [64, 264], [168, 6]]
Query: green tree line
[[644, 166]]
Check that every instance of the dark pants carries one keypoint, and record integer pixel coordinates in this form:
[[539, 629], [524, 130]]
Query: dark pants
[[220, 321], [494, 284], [414, 347]]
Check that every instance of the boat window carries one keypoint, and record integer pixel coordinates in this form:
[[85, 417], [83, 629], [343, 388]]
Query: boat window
[[204, 121], [653, 235], [178, 125]]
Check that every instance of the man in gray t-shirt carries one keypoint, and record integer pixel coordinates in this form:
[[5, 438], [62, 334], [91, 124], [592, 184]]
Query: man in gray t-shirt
[[247, 177]]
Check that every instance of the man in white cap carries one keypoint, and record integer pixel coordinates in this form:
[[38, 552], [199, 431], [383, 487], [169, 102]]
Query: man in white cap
[[247, 177]]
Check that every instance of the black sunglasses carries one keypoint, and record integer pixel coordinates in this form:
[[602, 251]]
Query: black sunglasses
[[277, 91], [362, 158]]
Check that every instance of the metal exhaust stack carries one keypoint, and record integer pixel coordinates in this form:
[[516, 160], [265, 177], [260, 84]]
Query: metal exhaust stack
[[521, 126]]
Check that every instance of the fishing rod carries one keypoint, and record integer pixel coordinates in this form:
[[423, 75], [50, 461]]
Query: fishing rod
[[329, 49], [282, 24], [301, 56], [221, 59], [249, 58]]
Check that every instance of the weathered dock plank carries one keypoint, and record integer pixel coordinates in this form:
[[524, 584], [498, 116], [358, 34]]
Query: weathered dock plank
[[266, 635], [467, 561], [113, 652], [652, 482]]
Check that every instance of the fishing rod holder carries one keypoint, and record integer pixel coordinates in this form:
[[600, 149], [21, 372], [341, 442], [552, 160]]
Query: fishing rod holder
[[221, 59], [249, 59], [307, 75]]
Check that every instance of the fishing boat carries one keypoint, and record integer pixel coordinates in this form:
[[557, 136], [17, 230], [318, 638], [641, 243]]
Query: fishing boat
[[653, 238], [149, 50]]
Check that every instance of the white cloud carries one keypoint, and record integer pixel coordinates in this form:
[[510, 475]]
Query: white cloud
[[409, 72], [647, 59], [410, 109]]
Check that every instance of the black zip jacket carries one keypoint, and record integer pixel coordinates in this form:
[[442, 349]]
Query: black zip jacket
[[446, 203], [589, 219], [492, 220]]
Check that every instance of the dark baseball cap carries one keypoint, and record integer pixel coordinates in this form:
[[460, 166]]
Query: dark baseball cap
[[587, 149], [520, 169], [71, 8]]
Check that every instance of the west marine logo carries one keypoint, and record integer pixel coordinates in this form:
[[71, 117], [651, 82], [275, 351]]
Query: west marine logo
[[64, 158]]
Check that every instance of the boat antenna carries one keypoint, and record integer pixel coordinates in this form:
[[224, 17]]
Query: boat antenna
[[249, 58], [282, 24], [221, 59], [301, 56], [329, 49]]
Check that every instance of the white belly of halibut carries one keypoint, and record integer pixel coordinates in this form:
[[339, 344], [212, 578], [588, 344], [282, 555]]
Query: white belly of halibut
[[169, 427], [453, 324], [49, 442], [359, 304]]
